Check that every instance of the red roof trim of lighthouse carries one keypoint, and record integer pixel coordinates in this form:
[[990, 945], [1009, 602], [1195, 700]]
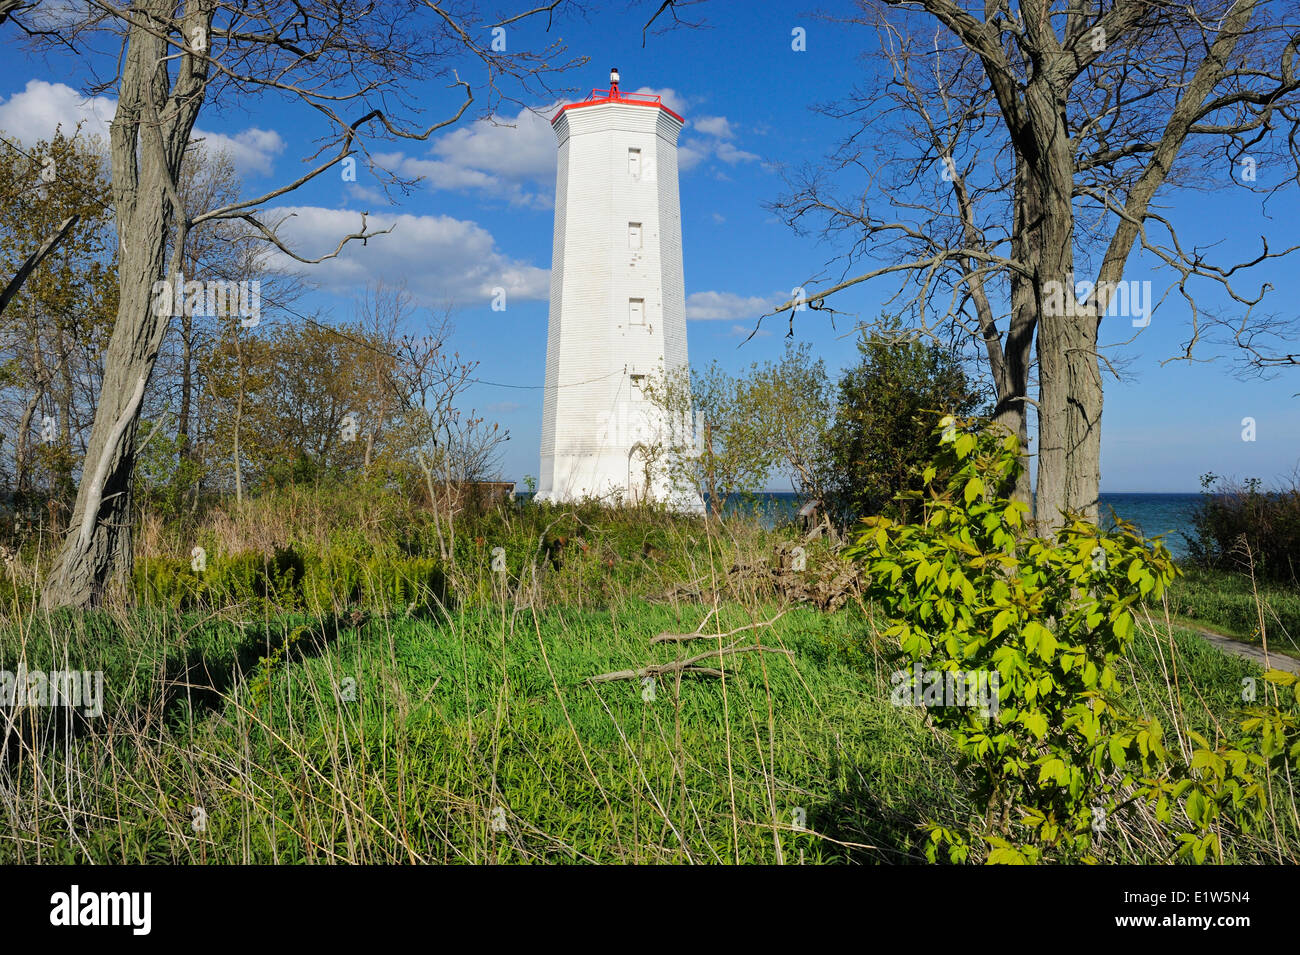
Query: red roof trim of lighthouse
[[615, 95]]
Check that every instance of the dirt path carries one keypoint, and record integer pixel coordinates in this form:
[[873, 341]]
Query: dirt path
[[1278, 661]]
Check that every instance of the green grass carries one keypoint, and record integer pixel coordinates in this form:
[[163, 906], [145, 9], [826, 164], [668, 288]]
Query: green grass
[[453, 720], [473, 738], [1227, 603], [367, 726]]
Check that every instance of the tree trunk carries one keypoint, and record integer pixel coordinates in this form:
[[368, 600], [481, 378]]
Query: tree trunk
[[239, 419], [184, 451], [22, 465], [149, 133], [1069, 386]]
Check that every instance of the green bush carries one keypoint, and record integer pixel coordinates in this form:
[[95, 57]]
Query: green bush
[[164, 581], [288, 580], [1241, 526], [877, 444], [397, 584], [1053, 750]]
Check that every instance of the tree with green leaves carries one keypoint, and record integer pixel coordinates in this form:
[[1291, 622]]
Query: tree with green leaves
[[57, 321], [794, 400], [884, 413], [713, 438]]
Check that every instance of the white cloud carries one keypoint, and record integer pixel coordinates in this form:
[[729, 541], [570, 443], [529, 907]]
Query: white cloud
[[695, 150], [512, 158], [254, 150], [688, 157], [517, 148], [713, 126], [441, 259], [669, 97], [373, 197], [727, 306], [503, 407], [42, 107], [505, 157], [731, 155]]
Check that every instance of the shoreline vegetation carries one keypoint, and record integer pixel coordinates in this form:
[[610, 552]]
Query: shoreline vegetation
[[323, 687]]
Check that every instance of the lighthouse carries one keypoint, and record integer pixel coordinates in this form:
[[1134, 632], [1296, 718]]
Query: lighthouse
[[618, 304]]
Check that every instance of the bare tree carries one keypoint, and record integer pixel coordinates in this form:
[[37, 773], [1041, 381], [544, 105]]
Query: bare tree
[[382, 312], [451, 445], [331, 57], [1003, 145], [1264, 345]]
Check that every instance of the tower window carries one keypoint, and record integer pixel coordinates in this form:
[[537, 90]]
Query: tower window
[[638, 387], [634, 163], [636, 311], [634, 235]]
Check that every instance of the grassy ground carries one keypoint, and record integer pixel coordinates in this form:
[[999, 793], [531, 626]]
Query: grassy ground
[[250, 734], [1234, 605], [475, 739]]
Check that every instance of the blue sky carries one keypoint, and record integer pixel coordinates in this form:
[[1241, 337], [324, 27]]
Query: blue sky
[[483, 218]]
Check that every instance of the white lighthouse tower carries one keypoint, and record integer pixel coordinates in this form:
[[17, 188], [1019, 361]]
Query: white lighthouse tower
[[618, 304]]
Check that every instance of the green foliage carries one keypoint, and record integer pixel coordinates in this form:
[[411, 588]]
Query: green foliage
[[968, 590], [714, 442], [164, 475], [259, 685], [793, 399], [57, 325], [1059, 757], [1228, 784], [1244, 527], [286, 580], [879, 441]]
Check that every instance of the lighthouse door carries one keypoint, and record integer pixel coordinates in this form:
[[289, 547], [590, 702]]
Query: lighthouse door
[[637, 485]]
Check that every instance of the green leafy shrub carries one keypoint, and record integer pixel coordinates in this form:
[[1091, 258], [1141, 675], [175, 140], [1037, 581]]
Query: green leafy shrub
[[409, 584], [332, 581], [1229, 785], [166, 581], [1056, 755], [253, 578], [969, 591]]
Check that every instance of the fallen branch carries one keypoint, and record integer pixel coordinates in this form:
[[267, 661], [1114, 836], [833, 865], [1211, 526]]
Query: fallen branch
[[684, 637], [683, 666]]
